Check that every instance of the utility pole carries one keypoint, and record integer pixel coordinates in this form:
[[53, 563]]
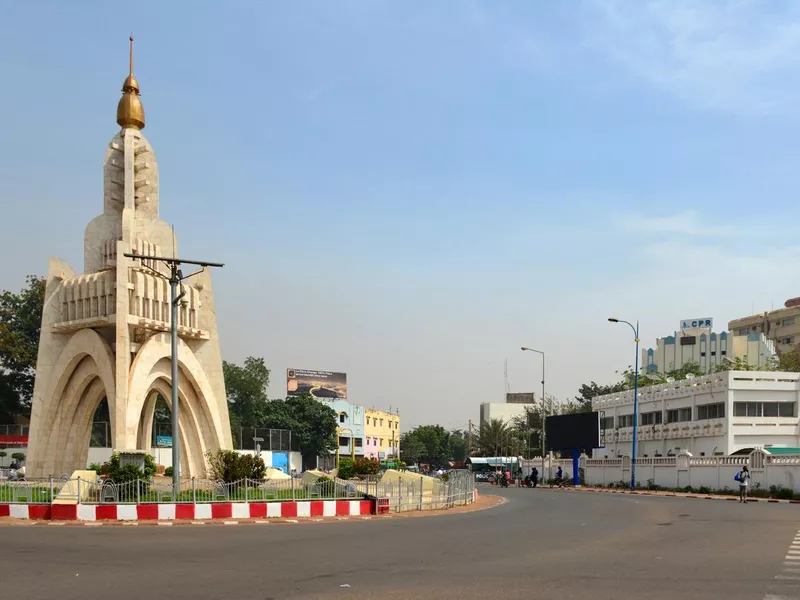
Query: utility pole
[[469, 438], [175, 278]]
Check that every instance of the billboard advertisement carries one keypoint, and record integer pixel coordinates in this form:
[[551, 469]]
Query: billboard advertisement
[[320, 384], [580, 431]]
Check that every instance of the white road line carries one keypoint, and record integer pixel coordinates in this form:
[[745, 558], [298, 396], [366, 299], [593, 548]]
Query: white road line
[[790, 573]]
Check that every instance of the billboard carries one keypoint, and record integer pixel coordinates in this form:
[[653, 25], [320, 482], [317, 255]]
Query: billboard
[[580, 431], [697, 323], [320, 384]]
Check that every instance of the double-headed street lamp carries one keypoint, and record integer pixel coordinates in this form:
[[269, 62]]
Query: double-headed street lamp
[[635, 395], [526, 349]]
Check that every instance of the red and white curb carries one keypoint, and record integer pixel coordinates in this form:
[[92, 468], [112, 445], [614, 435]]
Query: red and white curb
[[193, 512]]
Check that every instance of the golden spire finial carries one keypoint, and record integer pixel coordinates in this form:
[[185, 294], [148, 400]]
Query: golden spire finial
[[130, 112]]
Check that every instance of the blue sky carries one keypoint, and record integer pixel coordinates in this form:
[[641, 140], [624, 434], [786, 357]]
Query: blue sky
[[409, 191]]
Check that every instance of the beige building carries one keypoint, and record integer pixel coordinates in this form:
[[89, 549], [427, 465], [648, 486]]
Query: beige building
[[707, 349], [105, 333], [782, 326], [381, 434]]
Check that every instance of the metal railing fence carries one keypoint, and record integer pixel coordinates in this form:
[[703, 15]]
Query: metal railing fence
[[160, 490], [403, 494]]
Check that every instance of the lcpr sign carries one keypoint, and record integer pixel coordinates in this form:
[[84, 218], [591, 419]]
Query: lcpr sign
[[705, 322]]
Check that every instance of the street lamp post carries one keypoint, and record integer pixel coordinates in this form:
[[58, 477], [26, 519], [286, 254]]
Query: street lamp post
[[635, 395], [176, 277], [526, 349]]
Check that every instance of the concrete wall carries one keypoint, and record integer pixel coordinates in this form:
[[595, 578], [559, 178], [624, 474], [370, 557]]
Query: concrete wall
[[683, 470]]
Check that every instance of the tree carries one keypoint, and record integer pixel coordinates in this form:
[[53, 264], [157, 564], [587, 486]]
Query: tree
[[246, 387], [428, 444], [411, 447], [457, 445], [496, 438], [313, 424], [20, 325], [790, 361]]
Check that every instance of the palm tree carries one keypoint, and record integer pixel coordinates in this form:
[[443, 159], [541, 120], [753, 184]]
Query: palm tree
[[496, 438]]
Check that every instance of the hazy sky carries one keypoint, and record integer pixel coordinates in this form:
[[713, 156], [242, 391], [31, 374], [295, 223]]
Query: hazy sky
[[410, 191]]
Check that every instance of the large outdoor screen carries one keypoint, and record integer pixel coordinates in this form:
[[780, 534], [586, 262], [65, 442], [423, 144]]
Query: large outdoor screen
[[580, 431], [320, 384]]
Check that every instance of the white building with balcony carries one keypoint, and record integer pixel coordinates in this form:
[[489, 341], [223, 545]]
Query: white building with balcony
[[713, 415]]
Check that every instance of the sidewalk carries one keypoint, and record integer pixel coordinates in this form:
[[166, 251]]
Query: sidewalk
[[676, 495]]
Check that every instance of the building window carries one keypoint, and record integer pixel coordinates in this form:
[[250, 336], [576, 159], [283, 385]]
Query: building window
[[367, 420], [723, 352], [359, 443], [789, 321], [787, 340], [652, 418], [679, 415], [381, 422], [625, 420], [711, 411], [381, 441], [342, 417], [344, 441], [742, 331], [764, 409], [607, 423]]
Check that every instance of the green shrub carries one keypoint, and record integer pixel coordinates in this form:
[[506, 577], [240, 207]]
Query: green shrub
[[20, 456], [120, 474], [347, 469], [230, 466], [777, 491], [96, 467], [168, 472], [704, 490], [366, 466]]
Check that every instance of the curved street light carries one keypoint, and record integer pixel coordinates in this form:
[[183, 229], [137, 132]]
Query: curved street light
[[635, 330], [527, 349]]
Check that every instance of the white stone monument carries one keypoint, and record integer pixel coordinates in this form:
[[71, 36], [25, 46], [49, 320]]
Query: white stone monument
[[105, 334]]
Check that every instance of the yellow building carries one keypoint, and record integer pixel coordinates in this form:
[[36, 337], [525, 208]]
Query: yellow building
[[381, 434]]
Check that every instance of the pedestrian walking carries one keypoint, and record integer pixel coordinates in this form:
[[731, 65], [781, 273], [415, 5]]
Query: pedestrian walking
[[743, 477], [535, 476]]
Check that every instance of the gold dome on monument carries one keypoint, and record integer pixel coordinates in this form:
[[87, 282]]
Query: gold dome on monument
[[130, 112]]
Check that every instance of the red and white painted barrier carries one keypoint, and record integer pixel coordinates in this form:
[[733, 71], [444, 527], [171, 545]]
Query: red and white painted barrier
[[195, 512]]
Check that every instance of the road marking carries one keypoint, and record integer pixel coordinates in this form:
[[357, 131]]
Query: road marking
[[237, 522], [789, 576]]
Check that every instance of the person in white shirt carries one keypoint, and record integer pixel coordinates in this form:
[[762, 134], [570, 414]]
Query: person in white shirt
[[744, 480]]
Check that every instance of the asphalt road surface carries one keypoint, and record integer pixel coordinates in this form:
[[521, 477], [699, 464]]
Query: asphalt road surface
[[558, 544]]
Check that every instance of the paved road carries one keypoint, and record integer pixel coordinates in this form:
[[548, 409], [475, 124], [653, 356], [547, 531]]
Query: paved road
[[564, 545]]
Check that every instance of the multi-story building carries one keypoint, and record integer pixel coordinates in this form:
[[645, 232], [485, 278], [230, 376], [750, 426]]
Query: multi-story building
[[782, 326], [381, 434], [716, 414], [350, 426], [707, 349], [503, 411]]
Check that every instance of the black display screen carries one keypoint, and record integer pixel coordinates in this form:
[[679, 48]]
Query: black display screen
[[580, 431]]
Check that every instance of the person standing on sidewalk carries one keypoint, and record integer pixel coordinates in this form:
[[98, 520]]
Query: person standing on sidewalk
[[744, 481]]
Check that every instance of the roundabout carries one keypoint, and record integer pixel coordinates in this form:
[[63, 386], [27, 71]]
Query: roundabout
[[532, 544]]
